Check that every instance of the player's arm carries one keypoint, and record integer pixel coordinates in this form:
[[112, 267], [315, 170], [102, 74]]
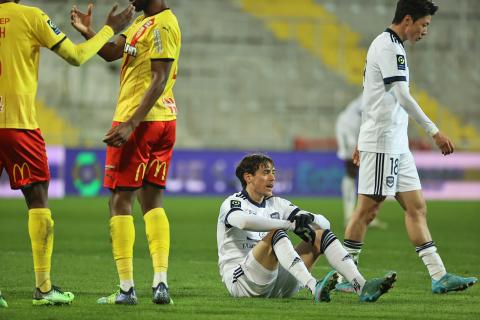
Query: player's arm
[[82, 22], [402, 93], [242, 220], [120, 134], [77, 54]]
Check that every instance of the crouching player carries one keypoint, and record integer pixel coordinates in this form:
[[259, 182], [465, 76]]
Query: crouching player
[[256, 257]]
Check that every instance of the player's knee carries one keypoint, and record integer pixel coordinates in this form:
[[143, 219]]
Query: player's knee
[[277, 235], [322, 222]]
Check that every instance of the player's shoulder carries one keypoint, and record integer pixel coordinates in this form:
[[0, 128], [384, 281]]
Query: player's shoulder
[[236, 200], [28, 10]]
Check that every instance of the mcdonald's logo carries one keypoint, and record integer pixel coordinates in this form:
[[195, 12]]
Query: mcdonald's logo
[[21, 171], [160, 166], [142, 166]]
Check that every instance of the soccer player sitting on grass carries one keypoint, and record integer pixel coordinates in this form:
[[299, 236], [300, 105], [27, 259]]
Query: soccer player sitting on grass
[[22, 149], [256, 256]]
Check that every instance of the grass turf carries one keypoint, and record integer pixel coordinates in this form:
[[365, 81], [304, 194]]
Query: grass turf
[[82, 263]]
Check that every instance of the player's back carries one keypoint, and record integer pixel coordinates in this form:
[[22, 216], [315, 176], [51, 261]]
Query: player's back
[[23, 30]]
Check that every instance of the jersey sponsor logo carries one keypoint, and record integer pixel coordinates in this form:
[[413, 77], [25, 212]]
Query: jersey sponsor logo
[[401, 62], [275, 215], [1, 98], [157, 41], [160, 165], [130, 50], [142, 167], [52, 26], [235, 204], [21, 171], [390, 181]]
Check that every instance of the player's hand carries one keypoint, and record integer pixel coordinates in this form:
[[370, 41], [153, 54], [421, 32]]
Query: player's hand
[[356, 157], [443, 143], [118, 22], [303, 228], [81, 21], [119, 135]]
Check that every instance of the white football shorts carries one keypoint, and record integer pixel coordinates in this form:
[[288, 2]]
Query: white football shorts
[[251, 279], [385, 174]]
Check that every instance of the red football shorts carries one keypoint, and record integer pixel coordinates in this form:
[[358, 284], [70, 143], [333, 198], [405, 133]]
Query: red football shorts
[[24, 157], [145, 157]]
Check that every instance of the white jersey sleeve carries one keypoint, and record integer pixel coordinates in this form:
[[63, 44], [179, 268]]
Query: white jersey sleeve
[[392, 63]]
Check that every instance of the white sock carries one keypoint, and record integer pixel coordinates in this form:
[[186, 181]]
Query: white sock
[[290, 261], [433, 262], [341, 260], [159, 277], [349, 197], [125, 285]]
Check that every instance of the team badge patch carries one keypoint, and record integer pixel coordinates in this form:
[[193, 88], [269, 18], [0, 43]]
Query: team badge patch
[[275, 215], [390, 180], [235, 204], [54, 27], [401, 62]]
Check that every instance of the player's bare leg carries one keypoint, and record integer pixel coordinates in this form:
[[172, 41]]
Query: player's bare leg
[[365, 212], [416, 223]]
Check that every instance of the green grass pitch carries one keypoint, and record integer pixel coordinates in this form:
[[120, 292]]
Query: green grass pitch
[[82, 263]]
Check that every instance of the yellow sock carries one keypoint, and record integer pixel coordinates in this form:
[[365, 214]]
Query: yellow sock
[[158, 235], [40, 229], [122, 232]]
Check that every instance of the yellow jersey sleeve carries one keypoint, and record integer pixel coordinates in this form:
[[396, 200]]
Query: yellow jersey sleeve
[[47, 33], [163, 41]]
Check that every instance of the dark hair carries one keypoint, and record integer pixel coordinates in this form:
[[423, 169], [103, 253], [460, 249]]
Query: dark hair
[[417, 9], [250, 164]]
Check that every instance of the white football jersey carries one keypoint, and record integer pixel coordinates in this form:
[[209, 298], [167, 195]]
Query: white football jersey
[[233, 243], [384, 121], [347, 128]]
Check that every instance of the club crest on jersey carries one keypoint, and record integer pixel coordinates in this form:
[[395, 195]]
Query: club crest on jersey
[[275, 215], [53, 27], [235, 204], [130, 50], [401, 62], [390, 180]]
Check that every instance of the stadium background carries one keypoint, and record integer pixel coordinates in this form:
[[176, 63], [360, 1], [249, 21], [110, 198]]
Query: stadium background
[[255, 75], [268, 75]]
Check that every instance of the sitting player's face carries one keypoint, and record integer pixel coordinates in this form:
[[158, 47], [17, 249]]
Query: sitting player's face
[[261, 184]]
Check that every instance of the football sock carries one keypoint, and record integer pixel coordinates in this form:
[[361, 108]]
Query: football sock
[[40, 229], [341, 260], [354, 248], [122, 232], [349, 197], [290, 261], [158, 236], [428, 253]]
